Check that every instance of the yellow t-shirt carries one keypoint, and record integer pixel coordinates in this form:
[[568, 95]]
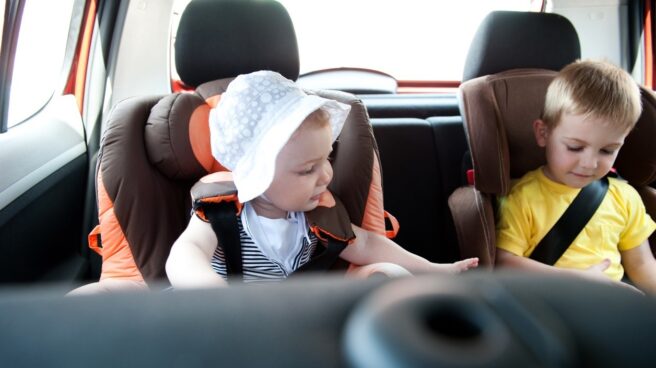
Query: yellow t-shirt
[[535, 203]]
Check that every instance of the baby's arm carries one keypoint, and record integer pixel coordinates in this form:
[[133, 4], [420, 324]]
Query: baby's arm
[[640, 266], [369, 248], [189, 263]]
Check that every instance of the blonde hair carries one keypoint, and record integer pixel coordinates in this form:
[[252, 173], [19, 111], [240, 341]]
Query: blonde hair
[[593, 88], [319, 117]]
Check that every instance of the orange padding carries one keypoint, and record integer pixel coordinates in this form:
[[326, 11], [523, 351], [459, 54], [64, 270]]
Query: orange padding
[[320, 232], [217, 199], [374, 212], [118, 262], [391, 233], [199, 135]]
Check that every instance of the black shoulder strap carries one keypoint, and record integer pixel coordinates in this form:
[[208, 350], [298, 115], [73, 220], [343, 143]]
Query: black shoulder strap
[[571, 223], [223, 218], [326, 259]]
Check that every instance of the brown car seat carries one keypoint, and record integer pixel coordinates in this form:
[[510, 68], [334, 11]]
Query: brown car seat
[[512, 59], [156, 147]]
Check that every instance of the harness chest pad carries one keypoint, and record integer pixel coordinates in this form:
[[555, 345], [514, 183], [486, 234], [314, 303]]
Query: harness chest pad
[[214, 188], [329, 220]]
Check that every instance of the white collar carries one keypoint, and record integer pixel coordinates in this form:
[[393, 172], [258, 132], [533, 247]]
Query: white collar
[[279, 239]]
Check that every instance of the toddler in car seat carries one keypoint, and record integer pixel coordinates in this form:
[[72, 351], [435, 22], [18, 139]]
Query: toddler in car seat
[[590, 108], [276, 140]]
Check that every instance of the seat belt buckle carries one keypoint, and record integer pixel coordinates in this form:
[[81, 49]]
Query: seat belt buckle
[[470, 176]]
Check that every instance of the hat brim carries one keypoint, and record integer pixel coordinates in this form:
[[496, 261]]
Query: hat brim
[[254, 171]]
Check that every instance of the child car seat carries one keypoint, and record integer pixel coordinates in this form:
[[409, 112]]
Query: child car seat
[[512, 59], [156, 147]]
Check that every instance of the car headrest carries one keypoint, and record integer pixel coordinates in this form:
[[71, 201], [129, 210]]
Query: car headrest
[[177, 143], [208, 48], [498, 112], [501, 137], [177, 132], [511, 40]]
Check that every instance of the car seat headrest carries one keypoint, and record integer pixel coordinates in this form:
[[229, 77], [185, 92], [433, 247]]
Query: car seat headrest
[[636, 161], [221, 39], [498, 112], [177, 133], [511, 40]]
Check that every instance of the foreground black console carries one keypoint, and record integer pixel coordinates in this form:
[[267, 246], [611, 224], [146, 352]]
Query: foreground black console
[[471, 320]]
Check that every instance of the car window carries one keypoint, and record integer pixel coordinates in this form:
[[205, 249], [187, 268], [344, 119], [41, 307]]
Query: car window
[[39, 55], [409, 39]]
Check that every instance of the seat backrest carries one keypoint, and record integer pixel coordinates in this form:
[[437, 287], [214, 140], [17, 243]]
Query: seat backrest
[[156, 147], [636, 161], [511, 61]]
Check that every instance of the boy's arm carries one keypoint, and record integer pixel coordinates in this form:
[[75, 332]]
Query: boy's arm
[[189, 263], [593, 273], [640, 266], [369, 248], [505, 258]]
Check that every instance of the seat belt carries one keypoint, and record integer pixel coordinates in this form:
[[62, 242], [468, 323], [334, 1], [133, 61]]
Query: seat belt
[[223, 218], [571, 223]]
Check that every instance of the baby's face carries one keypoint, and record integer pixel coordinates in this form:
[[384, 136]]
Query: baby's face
[[302, 169], [580, 149]]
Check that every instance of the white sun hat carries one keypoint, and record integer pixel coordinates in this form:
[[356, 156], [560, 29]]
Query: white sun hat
[[253, 121]]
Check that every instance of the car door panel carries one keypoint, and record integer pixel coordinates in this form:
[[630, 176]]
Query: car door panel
[[44, 171]]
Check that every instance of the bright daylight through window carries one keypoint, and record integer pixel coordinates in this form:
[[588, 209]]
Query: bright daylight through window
[[39, 56], [409, 39]]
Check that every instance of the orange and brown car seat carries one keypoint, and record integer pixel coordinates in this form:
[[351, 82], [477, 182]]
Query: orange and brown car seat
[[156, 147]]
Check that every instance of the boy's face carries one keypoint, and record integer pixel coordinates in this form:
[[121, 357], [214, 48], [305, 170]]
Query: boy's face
[[302, 169], [579, 149]]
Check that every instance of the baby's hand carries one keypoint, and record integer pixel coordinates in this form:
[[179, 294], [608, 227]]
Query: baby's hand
[[456, 267], [596, 273]]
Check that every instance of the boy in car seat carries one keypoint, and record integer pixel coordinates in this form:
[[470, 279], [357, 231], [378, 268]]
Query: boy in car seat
[[590, 108], [277, 140]]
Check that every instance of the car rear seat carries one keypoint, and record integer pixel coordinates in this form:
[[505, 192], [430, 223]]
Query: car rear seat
[[421, 164]]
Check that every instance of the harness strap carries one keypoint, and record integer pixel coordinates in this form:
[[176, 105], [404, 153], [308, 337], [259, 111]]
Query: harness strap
[[571, 223], [215, 199], [325, 260], [223, 218]]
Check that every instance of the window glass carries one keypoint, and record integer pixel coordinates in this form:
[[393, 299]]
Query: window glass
[[39, 56], [408, 39]]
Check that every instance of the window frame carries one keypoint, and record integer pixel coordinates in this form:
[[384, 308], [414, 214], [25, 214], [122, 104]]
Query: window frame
[[12, 20]]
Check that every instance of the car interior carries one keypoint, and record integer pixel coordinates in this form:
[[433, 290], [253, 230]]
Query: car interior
[[113, 195]]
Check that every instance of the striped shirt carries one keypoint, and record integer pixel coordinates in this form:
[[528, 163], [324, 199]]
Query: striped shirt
[[256, 265]]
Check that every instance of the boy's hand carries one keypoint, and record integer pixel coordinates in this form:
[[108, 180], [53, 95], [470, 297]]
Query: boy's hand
[[596, 273]]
